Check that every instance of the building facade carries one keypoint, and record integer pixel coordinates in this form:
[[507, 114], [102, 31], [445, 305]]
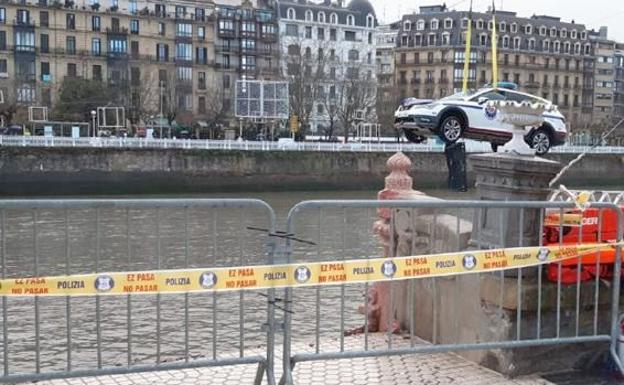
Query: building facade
[[618, 99], [341, 37], [542, 54], [151, 47]]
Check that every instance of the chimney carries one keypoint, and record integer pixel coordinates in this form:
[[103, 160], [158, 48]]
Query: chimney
[[604, 31]]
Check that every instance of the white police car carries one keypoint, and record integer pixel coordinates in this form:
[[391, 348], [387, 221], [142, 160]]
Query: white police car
[[468, 116]]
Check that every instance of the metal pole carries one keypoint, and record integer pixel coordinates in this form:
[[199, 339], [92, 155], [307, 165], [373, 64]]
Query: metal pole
[[160, 88]]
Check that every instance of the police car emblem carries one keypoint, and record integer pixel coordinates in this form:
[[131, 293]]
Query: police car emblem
[[490, 111], [388, 268], [469, 261], [543, 254], [104, 283], [207, 280]]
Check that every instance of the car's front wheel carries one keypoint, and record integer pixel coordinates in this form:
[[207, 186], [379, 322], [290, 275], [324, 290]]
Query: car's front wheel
[[541, 141], [451, 129]]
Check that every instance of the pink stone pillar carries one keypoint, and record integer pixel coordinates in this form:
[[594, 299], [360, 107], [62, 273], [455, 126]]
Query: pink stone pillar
[[398, 186]]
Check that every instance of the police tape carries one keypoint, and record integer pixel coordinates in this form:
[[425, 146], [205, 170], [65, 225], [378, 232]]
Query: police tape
[[295, 275]]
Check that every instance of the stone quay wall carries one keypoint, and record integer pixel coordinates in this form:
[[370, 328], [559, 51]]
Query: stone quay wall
[[31, 170]]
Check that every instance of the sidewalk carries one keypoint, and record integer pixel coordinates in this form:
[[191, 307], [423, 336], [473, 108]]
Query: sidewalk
[[423, 369]]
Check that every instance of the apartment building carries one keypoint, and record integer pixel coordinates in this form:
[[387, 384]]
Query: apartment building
[[542, 54], [142, 44], [618, 99], [342, 34]]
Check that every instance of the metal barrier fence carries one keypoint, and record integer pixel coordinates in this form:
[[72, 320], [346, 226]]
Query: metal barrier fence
[[413, 226], [52, 337], [60, 337], [353, 146]]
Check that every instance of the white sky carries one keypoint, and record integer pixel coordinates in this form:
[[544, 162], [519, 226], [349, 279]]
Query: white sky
[[593, 13]]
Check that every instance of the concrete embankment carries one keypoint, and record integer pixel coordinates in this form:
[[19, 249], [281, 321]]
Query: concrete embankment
[[43, 171]]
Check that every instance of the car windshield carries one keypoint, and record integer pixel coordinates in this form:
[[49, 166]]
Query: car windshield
[[458, 96]]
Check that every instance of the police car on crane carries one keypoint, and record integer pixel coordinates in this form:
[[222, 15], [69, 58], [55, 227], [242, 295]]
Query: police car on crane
[[468, 115]]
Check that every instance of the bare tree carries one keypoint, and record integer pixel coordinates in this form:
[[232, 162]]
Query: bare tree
[[216, 109], [9, 107], [305, 69], [145, 94], [356, 93], [330, 106]]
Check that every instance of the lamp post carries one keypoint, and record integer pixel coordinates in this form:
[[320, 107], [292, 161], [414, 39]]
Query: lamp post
[[93, 114], [161, 86]]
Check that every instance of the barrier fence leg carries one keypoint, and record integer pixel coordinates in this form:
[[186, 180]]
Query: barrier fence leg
[[260, 374]]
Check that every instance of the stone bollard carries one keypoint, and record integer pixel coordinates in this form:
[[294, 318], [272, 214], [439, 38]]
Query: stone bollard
[[398, 185]]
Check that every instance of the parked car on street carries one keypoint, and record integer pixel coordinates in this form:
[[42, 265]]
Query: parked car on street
[[469, 116]]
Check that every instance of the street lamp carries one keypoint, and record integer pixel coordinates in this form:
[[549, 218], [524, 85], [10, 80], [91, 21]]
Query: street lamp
[[93, 114]]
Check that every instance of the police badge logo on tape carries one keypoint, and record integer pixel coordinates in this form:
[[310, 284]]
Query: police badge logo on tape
[[469, 261], [302, 274], [543, 254], [388, 269], [208, 280], [104, 283]]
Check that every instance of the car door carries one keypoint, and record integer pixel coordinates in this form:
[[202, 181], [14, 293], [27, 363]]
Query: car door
[[484, 119]]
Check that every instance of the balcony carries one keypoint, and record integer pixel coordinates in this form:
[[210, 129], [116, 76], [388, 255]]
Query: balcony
[[226, 33], [443, 81], [24, 49], [532, 85], [117, 31], [24, 24], [114, 56], [224, 48], [268, 37], [183, 60], [414, 81]]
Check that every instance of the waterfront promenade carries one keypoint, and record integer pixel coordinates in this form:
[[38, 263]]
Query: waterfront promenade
[[425, 369]]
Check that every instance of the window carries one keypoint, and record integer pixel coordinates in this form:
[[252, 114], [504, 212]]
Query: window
[[23, 16], [502, 27], [464, 23], [557, 47], [553, 32], [134, 27], [528, 29], [542, 31], [350, 20], [44, 43], [161, 29], [180, 11], [420, 25], [201, 104], [309, 16], [134, 49], [564, 33], [184, 74], [3, 66], [199, 14], [44, 18], [201, 80], [483, 39], [308, 32], [448, 23], [70, 45], [160, 10], [71, 70], [333, 18], [517, 42], [24, 41], [354, 55], [349, 36], [546, 45], [291, 14], [248, 28], [479, 24], [332, 34], [201, 33], [70, 21], [132, 7], [2, 15], [292, 30], [184, 52], [96, 47], [162, 52], [26, 93], [321, 17], [407, 25], [370, 21], [573, 34], [505, 41], [184, 30], [320, 33], [96, 24], [435, 24], [117, 46], [446, 39]]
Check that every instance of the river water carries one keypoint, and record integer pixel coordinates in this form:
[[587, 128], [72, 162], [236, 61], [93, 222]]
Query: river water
[[149, 328]]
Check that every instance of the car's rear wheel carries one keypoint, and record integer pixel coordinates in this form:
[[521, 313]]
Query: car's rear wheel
[[541, 141], [413, 137], [451, 129]]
